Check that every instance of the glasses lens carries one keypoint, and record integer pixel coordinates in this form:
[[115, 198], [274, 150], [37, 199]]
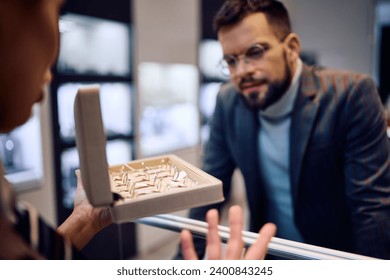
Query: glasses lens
[[229, 62], [255, 53], [224, 68]]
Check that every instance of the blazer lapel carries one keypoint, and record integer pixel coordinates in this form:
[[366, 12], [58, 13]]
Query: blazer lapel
[[304, 113], [246, 127]]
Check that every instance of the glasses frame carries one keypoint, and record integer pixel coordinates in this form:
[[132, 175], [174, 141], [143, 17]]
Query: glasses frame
[[228, 68]]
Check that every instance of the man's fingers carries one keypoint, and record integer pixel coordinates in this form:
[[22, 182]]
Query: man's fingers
[[187, 245], [235, 243], [258, 250], [213, 240]]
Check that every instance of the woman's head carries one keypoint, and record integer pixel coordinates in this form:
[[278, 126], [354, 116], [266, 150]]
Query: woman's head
[[28, 47]]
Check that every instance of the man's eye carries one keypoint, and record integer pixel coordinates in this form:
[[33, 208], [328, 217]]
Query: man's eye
[[255, 52], [230, 61]]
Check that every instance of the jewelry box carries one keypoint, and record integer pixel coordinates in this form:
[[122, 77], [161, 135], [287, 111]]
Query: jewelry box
[[138, 188]]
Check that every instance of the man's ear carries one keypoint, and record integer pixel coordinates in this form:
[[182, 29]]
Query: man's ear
[[293, 45]]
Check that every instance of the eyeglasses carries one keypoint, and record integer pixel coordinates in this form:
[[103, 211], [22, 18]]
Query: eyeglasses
[[252, 55]]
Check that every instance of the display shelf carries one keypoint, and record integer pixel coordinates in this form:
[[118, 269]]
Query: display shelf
[[95, 48], [21, 154]]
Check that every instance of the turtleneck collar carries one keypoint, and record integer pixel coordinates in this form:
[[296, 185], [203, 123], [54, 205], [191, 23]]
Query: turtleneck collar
[[284, 106]]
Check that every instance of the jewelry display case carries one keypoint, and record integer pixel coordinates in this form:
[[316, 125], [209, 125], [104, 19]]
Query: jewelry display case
[[96, 46], [169, 117], [21, 154], [210, 54]]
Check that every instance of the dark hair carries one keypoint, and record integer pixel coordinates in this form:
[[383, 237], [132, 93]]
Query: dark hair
[[233, 11]]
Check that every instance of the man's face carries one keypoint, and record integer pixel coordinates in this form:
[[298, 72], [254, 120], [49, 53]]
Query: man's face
[[263, 80], [28, 48]]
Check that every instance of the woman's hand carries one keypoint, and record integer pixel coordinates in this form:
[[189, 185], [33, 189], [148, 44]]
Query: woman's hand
[[85, 220]]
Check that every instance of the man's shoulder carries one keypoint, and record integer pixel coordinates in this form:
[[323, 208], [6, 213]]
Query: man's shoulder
[[331, 74], [331, 83]]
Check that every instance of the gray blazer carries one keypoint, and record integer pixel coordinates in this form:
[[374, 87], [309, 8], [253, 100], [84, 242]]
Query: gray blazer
[[339, 161]]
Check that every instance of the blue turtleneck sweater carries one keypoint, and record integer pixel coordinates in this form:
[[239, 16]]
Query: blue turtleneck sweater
[[274, 135]]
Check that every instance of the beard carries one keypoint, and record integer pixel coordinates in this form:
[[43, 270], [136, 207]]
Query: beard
[[261, 100]]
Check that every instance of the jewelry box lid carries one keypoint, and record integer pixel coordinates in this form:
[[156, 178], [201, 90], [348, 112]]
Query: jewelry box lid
[[91, 146]]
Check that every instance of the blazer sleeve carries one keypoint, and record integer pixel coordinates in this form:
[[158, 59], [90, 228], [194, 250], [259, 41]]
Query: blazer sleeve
[[367, 169]]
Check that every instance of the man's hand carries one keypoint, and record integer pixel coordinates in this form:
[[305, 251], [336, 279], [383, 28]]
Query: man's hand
[[235, 244]]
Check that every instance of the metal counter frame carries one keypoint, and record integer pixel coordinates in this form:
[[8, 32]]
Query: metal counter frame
[[278, 247]]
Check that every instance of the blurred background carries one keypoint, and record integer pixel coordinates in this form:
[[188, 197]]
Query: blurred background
[[156, 63]]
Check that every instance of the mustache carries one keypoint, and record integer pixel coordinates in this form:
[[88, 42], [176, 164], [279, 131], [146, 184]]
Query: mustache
[[251, 80]]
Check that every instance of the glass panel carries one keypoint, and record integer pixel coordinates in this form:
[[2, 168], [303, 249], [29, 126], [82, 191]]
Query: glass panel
[[210, 54], [21, 153], [116, 106], [93, 46], [207, 100], [169, 107]]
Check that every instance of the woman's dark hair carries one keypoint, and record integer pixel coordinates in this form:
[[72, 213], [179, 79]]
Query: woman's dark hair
[[233, 11]]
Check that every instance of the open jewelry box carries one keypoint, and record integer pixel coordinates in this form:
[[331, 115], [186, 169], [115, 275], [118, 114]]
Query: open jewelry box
[[138, 188]]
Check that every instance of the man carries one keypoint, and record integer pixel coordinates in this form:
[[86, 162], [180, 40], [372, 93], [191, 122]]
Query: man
[[28, 47], [311, 143]]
